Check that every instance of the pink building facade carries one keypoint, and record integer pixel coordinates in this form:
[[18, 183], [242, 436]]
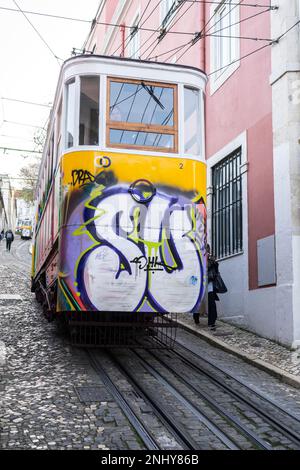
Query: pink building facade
[[248, 81]]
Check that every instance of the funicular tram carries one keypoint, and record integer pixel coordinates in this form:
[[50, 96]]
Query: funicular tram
[[120, 228]]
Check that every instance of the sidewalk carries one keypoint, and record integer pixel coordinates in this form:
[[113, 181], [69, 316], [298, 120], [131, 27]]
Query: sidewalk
[[263, 353]]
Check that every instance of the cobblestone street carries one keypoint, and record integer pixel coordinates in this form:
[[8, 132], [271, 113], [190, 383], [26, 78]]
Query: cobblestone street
[[40, 379], [52, 397]]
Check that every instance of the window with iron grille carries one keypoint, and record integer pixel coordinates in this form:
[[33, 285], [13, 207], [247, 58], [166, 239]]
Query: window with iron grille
[[227, 233]]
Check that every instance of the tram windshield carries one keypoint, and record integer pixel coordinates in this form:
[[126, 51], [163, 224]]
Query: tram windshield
[[142, 114]]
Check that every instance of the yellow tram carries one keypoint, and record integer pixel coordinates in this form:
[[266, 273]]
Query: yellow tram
[[121, 217]]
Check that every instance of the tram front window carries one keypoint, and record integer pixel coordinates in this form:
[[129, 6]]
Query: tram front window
[[142, 114], [89, 111]]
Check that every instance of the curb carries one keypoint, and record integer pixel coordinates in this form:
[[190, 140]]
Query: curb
[[280, 374]]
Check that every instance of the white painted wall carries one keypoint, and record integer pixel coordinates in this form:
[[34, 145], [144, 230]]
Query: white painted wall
[[285, 81]]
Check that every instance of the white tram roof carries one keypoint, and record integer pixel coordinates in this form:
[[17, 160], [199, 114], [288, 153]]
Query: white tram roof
[[132, 68]]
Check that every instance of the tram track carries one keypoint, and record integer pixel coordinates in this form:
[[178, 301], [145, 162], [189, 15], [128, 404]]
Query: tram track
[[242, 383], [179, 431], [170, 423], [248, 433], [125, 406], [183, 379], [183, 435], [290, 431]]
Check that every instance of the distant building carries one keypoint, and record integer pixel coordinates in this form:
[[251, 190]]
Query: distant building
[[8, 205], [252, 109], [3, 218]]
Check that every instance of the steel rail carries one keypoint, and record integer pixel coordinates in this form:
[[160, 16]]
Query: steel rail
[[217, 408], [174, 427], [127, 409], [281, 427], [186, 402], [241, 382]]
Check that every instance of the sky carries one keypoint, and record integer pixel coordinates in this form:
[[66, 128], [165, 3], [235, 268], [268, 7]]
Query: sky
[[29, 71]]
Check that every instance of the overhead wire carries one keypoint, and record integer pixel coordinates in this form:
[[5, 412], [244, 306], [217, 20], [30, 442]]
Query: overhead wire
[[15, 178], [20, 150], [26, 102], [165, 32], [244, 19], [39, 34], [158, 30], [272, 42], [287, 31], [103, 23], [241, 58], [153, 31], [22, 124], [203, 31], [217, 2], [141, 27], [132, 34]]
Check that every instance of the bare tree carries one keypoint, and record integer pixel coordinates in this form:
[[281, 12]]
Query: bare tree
[[39, 139], [29, 175]]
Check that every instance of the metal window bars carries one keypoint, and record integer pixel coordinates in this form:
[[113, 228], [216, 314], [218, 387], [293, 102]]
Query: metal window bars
[[227, 233]]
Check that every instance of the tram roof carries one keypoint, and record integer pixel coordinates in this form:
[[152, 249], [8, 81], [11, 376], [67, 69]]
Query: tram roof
[[125, 60]]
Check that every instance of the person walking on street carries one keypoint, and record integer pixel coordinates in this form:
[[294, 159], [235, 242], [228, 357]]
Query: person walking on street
[[215, 286], [9, 239]]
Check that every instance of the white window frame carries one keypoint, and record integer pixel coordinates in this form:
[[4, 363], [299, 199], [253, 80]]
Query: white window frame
[[165, 7], [239, 141], [224, 50], [134, 43]]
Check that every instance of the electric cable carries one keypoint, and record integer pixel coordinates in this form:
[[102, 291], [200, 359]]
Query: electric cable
[[38, 33]]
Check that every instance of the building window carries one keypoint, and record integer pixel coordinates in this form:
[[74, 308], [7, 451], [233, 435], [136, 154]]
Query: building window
[[134, 39], [227, 233], [224, 41], [142, 115], [89, 111], [168, 10]]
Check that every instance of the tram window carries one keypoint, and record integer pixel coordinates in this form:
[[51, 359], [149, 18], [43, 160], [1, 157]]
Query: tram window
[[89, 111], [70, 114], [142, 114], [58, 134], [141, 139], [192, 121]]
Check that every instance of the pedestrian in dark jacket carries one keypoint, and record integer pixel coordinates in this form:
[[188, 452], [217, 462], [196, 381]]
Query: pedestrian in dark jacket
[[9, 239], [215, 286]]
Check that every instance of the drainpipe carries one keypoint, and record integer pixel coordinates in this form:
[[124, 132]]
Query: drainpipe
[[202, 41], [122, 29]]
